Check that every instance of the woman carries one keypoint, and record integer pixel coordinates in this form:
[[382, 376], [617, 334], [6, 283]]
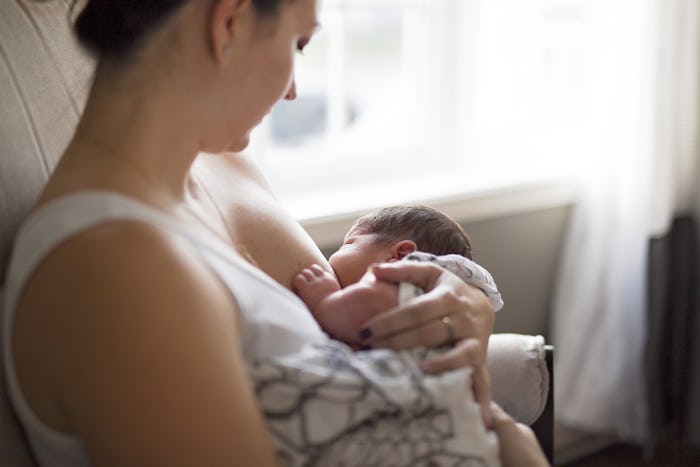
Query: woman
[[130, 334]]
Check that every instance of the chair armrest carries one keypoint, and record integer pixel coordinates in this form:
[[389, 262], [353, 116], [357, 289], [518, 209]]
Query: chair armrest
[[520, 380]]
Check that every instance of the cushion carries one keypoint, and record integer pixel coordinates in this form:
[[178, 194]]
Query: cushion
[[519, 376]]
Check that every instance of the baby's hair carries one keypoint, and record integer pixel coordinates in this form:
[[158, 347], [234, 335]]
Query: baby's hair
[[432, 230]]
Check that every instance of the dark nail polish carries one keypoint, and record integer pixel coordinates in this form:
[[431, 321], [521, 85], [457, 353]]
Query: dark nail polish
[[365, 333]]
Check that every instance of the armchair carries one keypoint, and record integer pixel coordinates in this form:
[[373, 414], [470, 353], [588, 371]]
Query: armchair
[[44, 79]]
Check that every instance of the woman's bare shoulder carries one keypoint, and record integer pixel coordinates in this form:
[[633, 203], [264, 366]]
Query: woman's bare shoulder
[[133, 338]]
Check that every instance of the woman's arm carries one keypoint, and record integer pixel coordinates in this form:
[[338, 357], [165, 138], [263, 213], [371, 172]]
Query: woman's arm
[[143, 356], [519, 446]]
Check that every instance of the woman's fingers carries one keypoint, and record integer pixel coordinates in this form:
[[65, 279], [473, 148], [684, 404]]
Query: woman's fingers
[[481, 384], [406, 332], [465, 353], [447, 313]]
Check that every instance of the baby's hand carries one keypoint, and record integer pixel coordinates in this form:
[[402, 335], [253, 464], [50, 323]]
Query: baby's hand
[[342, 312], [313, 284]]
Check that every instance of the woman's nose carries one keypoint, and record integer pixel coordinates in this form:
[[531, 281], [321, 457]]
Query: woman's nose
[[291, 92]]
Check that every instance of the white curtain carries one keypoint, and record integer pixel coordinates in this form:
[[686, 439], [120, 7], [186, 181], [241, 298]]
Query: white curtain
[[639, 172]]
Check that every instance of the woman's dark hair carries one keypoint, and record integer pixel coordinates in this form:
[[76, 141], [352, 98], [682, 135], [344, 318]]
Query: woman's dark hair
[[113, 28], [432, 230]]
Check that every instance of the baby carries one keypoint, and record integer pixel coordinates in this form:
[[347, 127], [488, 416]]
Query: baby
[[342, 303]]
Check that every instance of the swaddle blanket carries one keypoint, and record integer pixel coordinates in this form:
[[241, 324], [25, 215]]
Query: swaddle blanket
[[329, 406], [466, 269]]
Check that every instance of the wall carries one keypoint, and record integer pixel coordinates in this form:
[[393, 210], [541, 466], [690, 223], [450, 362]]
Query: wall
[[521, 251]]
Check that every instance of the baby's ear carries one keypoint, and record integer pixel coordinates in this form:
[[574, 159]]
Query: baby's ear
[[403, 248]]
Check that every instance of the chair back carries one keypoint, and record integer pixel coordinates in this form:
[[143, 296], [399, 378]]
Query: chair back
[[44, 81]]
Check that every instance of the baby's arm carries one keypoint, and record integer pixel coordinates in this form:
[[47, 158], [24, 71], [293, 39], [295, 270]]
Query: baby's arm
[[342, 312]]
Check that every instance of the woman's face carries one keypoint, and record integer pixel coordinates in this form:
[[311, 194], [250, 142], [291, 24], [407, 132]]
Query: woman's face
[[267, 65]]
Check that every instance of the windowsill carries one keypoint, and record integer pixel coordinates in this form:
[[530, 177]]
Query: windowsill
[[326, 215]]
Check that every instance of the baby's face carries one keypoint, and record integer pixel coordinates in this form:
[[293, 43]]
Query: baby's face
[[358, 251]]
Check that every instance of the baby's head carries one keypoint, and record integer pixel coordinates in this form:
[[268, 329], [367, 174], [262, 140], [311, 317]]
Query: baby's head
[[390, 234]]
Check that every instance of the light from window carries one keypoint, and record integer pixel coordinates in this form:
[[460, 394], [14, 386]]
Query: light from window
[[451, 89]]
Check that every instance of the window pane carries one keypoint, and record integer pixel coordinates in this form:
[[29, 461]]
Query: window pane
[[531, 76], [464, 92], [358, 95]]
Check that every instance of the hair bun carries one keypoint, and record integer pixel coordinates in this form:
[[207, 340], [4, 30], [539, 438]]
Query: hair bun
[[112, 28], [101, 28]]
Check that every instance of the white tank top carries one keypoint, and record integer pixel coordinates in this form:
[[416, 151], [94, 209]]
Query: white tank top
[[273, 320]]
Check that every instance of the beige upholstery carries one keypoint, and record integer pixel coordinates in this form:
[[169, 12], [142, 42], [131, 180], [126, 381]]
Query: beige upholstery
[[44, 79], [520, 359]]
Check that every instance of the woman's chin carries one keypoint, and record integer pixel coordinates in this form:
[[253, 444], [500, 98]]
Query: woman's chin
[[239, 144], [235, 144]]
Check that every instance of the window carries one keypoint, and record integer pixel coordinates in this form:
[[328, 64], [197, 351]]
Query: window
[[408, 99]]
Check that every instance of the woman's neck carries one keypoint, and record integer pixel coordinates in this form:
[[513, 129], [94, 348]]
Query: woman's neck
[[141, 127]]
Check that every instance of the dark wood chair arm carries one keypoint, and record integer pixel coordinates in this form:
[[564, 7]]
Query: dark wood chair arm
[[544, 426]]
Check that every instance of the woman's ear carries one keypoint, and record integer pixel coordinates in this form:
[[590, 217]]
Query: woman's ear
[[224, 23], [402, 248]]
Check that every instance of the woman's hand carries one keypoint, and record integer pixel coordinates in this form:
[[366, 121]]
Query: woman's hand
[[519, 446], [449, 311]]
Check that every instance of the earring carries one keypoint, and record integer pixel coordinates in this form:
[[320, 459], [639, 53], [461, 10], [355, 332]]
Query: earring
[[227, 50]]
